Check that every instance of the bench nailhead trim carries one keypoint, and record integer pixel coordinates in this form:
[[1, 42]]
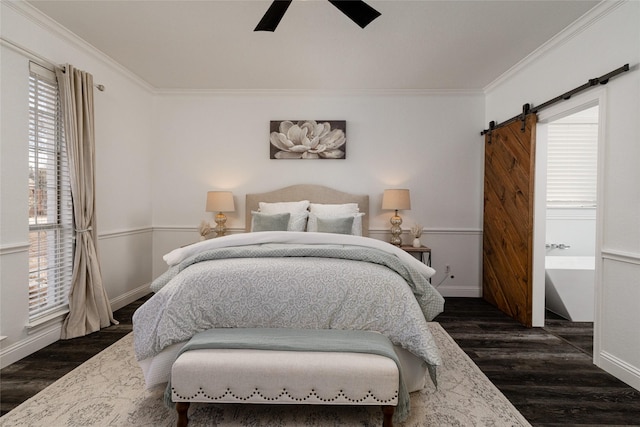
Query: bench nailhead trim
[[283, 393]]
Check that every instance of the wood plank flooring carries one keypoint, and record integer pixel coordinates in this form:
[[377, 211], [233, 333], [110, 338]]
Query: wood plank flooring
[[546, 373], [27, 377]]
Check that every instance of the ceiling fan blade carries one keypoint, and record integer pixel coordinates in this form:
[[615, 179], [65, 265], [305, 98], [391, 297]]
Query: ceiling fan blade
[[273, 15], [359, 12]]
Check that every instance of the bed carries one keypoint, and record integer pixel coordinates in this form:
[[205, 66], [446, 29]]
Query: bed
[[329, 275]]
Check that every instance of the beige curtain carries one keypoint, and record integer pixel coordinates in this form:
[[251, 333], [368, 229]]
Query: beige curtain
[[89, 307]]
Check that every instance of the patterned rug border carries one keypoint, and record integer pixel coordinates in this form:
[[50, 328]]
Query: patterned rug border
[[465, 397]]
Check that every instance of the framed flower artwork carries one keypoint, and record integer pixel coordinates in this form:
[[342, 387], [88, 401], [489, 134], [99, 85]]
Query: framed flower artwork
[[308, 139]]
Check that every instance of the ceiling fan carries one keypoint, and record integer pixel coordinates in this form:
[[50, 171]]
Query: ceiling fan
[[357, 10]]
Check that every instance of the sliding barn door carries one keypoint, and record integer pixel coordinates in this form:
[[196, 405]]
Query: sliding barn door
[[508, 218]]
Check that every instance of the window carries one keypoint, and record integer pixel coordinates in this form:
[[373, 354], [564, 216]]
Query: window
[[51, 234], [573, 160]]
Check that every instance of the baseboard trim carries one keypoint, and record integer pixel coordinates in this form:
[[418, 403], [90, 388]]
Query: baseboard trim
[[131, 296], [460, 291], [620, 369], [30, 344], [51, 333]]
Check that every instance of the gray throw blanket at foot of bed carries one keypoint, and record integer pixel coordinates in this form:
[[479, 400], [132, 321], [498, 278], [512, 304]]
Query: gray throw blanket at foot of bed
[[324, 340]]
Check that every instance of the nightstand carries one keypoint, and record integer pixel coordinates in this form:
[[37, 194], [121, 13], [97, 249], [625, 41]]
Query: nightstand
[[423, 253]]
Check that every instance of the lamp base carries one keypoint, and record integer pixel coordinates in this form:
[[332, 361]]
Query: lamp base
[[396, 231], [220, 229]]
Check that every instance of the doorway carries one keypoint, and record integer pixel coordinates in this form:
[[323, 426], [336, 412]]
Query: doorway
[[568, 220], [572, 161]]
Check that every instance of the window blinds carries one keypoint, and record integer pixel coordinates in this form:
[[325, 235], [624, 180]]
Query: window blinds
[[51, 234], [572, 164]]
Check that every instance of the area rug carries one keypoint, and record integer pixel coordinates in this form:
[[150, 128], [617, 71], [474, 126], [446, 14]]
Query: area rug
[[108, 390]]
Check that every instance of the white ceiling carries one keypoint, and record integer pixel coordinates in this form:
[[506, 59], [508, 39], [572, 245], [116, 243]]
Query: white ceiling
[[418, 44]]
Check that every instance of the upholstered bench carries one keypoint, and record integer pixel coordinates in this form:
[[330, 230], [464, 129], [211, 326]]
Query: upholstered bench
[[284, 377]]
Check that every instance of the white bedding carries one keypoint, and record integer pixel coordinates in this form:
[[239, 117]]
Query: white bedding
[[304, 292], [178, 255]]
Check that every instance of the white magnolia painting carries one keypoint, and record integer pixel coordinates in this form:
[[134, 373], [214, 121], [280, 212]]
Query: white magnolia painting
[[308, 139]]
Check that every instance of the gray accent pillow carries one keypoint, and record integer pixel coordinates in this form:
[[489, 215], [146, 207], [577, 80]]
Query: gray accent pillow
[[341, 225], [269, 222]]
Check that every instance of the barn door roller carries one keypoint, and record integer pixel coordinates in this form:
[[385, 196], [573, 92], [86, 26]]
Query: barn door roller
[[526, 108]]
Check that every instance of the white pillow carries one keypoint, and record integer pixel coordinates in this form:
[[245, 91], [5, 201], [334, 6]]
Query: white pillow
[[283, 207], [298, 211], [356, 229], [334, 210]]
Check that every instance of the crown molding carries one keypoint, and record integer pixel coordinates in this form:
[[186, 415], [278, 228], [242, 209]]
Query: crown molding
[[45, 22], [318, 92], [50, 25], [581, 24], [596, 13]]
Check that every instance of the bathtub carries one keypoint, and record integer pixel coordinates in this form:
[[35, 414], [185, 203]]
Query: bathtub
[[569, 286]]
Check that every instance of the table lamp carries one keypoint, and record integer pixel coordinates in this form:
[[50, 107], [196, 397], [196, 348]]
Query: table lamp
[[220, 201], [396, 199]]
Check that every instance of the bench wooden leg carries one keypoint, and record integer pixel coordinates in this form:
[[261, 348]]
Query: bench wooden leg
[[388, 411], [182, 408]]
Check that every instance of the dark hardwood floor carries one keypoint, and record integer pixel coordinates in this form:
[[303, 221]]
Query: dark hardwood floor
[[546, 373], [25, 378]]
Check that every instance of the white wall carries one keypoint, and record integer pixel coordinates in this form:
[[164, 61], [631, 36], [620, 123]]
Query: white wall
[[159, 153], [608, 42], [573, 227], [429, 143], [123, 175]]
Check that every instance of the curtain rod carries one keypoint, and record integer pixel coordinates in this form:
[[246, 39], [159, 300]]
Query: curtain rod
[[64, 70], [526, 108], [44, 62]]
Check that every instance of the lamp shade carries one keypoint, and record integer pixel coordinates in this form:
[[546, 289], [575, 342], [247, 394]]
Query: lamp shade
[[396, 199], [220, 201]]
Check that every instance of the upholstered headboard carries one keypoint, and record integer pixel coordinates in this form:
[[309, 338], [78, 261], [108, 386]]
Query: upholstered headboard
[[311, 192]]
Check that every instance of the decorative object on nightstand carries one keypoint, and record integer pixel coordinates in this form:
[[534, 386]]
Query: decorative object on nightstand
[[396, 199], [204, 230], [220, 201], [416, 232]]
